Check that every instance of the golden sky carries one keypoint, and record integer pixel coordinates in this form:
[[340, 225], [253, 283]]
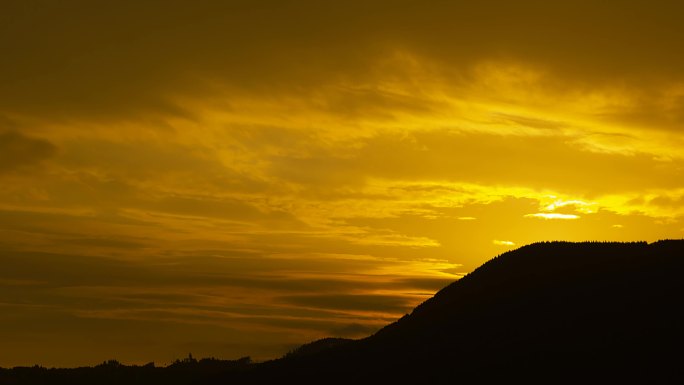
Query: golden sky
[[235, 178]]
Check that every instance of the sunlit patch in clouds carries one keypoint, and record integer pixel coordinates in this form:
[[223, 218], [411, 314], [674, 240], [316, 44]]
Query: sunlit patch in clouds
[[580, 206], [552, 216]]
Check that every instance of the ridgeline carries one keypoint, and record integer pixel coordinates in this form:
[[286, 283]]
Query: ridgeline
[[552, 312]]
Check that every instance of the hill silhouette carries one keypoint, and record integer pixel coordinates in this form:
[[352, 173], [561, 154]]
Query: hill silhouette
[[553, 312]]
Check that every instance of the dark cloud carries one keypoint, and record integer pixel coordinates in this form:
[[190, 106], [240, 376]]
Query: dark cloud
[[18, 150], [76, 57], [223, 208], [78, 298], [668, 202], [527, 121], [6, 123], [104, 60], [105, 242], [251, 272], [69, 270], [137, 159], [385, 303]]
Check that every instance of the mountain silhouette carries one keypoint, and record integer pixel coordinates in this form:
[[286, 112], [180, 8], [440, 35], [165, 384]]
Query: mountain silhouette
[[551, 312], [317, 347]]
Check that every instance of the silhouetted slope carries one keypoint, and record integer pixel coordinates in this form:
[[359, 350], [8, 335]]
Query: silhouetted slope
[[547, 312], [317, 347]]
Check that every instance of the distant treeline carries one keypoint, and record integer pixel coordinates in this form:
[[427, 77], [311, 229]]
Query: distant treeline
[[186, 371]]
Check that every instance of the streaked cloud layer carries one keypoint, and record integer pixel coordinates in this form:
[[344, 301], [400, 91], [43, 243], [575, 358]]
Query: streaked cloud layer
[[234, 178]]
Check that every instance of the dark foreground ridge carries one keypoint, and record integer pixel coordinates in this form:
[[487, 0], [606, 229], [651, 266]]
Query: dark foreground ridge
[[555, 312]]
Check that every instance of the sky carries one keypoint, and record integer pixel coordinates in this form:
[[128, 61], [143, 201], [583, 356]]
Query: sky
[[233, 178]]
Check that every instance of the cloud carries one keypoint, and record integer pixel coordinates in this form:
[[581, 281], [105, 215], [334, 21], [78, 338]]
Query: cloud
[[18, 150], [382, 303], [503, 243], [266, 299], [552, 216], [140, 60], [668, 201], [575, 204], [543, 162]]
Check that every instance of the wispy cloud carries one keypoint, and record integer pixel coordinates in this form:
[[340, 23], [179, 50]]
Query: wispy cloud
[[503, 243]]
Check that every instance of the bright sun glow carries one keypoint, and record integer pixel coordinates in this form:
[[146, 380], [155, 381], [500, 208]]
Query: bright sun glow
[[552, 216]]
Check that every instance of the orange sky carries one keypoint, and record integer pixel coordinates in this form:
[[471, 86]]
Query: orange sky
[[239, 177]]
